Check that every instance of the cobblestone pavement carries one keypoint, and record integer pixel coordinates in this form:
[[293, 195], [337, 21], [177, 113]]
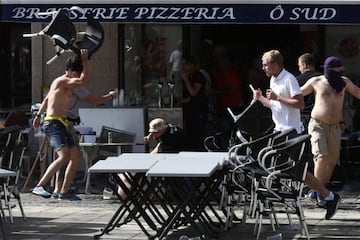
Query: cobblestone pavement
[[53, 219]]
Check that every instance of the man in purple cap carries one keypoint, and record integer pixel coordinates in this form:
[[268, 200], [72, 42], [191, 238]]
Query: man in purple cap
[[325, 127]]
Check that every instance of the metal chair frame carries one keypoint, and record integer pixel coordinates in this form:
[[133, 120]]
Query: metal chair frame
[[14, 154]]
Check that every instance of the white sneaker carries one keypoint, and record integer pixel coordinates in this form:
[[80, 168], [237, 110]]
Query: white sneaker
[[40, 191], [108, 194]]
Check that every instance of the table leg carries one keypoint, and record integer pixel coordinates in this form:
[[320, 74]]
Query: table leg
[[2, 228], [89, 154], [135, 197], [191, 205]]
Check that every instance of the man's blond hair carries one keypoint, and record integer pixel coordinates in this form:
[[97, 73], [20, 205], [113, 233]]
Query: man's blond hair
[[274, 56]]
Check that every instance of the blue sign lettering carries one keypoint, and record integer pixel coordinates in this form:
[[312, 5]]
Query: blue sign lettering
[[246, 13]]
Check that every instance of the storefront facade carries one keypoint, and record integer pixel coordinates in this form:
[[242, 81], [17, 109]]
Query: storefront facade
[[139, 38]]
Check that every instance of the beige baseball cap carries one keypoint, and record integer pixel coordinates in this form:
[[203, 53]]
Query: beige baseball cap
[[157, 124]]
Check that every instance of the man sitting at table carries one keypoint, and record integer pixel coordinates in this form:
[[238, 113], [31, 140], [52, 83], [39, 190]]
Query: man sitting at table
[[170, 139]]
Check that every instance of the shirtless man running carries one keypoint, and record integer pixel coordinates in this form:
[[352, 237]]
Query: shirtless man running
[[325, 128], [56, 125]]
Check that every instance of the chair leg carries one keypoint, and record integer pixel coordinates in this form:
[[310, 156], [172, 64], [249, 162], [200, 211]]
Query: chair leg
[[272, 215], [223, 193], [22, 210], [2, 226], [254, 200], [87, 185], [302, 220], [245, 212], [7, 201], [16, 194], [256, 222], [288, 215], [260, 218], [2, 212], [229, 212]]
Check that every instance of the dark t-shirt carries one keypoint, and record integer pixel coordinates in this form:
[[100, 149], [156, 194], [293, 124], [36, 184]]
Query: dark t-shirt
[[199, 103], [309, 99], [172, 140]]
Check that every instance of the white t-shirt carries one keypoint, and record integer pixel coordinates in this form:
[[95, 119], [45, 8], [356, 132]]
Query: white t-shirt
[[175, 60], [284, 116], [78, 94]]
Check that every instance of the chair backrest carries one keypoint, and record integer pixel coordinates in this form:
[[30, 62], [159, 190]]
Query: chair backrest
[[118, 136], [10, 137], [93, 38], [15, 163], [284, 136], [250, 124], [17, 118], [248, 152], [287, 157], [13, 152], [256, 145], [61, 30]]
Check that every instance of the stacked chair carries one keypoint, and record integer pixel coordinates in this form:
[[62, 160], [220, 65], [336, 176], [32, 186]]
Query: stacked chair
[[240, 181], [282, 184], [266, 176], [12, 153]]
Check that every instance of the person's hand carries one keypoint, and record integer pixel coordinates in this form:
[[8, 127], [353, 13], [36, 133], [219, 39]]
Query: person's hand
[[84, 54], [257, 94], [271, 95], [342, 126], [36, 122], [185, 76], [146, 140], [113, 94]]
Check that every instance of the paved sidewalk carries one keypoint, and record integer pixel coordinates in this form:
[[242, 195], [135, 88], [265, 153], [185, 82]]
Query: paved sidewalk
[[53, 219]]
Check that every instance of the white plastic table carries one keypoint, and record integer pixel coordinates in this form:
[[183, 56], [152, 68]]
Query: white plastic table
[[202, 171], [157, 170], [137, 201], [90, 151]]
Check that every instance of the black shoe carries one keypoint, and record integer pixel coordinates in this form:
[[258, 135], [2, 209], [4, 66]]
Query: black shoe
[[332, 206], [68, 196]]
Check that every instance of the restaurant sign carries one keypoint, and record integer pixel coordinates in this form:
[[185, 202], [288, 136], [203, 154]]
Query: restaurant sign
[[247, 13]]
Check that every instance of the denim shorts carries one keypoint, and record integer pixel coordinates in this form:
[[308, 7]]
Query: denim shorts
[[58, 134]]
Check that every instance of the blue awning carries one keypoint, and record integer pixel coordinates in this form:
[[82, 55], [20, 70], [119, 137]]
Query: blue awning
[[194, 13]]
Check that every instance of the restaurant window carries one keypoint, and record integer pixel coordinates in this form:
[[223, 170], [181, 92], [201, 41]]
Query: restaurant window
[[147, 49], [15, 65]]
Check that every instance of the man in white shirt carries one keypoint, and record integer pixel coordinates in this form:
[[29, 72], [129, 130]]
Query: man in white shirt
[[285, 101], [284, 97]]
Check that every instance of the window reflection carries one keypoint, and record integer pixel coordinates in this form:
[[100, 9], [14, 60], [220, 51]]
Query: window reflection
[[20, 67], [132, 64], [147, 51]]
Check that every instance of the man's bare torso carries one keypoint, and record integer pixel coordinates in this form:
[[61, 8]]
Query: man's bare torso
[[59, 98], [328, 107]]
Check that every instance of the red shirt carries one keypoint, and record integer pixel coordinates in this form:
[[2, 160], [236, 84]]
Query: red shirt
[[229, 81]]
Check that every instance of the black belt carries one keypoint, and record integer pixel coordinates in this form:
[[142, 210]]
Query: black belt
[[75, 121]]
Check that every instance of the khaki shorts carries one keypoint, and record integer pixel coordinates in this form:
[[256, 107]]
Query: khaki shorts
[[325, 139]]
